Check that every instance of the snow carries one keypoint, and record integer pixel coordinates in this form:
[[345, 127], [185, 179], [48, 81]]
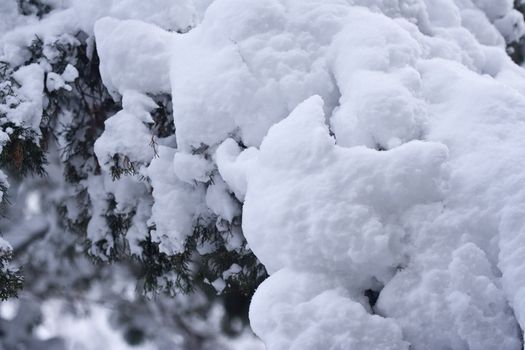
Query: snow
[[494, 8], [219, 285], [167, 14], [177, 204], [247, 75], [191, 167], [478, 24], [56, 81], [233, 165], [126, 133], [511, 26], [220, 201], [351, 229], [29, 112], [234, 269], [70, 74], [146, 49], [368, 145], [296, 311], [9, 17], [422, 222]]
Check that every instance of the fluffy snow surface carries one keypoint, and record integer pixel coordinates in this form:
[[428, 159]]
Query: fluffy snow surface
[[404, 182], [375, 150], [408, 185]]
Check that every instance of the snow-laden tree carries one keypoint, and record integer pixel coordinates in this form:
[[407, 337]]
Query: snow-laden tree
[[367, 154], [82, 235]]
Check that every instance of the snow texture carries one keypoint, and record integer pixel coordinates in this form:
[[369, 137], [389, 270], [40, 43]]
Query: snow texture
[[126, 132], [373, 149], [176, 204], [146, 50], [408, 198]]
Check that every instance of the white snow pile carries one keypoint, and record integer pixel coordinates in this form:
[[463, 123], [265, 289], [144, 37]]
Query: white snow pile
[[377, 148], [405, 184]]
